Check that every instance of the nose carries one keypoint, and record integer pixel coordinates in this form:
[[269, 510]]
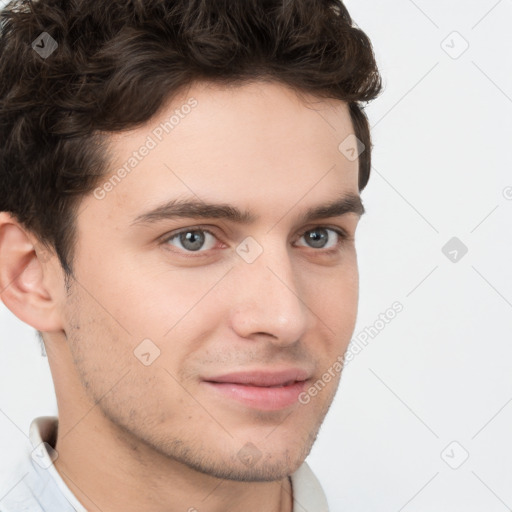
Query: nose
[[268, 299]]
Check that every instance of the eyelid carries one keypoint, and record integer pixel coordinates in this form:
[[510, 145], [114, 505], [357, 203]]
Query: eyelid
[[173, 234], [338, 229], [341, 232]]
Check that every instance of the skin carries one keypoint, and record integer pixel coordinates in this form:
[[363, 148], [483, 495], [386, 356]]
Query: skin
[[156, 434]]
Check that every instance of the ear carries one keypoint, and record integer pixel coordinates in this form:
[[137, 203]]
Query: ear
[[26, 280]]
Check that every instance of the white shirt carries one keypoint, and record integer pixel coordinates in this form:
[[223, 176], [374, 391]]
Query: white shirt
[[40, 488]]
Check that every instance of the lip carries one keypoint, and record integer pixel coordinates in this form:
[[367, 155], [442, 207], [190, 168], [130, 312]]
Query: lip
[[261, 389], [263, 377]]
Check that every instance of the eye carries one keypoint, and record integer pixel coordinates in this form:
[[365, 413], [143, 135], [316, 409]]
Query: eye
[[192, 240], [320, 237], [200, 240]]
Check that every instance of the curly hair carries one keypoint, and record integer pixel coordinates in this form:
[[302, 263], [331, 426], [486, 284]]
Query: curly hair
[[117, 62]]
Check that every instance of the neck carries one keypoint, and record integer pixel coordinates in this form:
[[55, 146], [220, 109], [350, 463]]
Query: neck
[[96, 458]]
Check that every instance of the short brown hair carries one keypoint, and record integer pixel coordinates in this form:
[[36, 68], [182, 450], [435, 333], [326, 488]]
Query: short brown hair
[[118, 61]]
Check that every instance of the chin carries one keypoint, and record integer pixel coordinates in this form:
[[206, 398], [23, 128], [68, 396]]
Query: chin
[[264, 470]]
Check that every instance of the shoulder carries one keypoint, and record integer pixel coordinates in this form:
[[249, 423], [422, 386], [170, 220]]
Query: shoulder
[[19, 502], [16, 495], [24, 482]]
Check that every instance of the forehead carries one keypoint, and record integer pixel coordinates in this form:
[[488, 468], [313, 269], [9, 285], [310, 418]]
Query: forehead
[[258, 144]]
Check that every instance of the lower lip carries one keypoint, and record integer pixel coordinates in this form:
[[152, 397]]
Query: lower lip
[[263, 398]]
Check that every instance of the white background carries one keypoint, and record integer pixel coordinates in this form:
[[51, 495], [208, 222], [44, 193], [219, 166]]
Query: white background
[[440, 372]]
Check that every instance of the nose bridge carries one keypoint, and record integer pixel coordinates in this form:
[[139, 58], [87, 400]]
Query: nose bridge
[[268, 298]]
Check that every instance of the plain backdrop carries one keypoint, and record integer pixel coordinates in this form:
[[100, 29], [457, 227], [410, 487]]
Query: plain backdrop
[[423, 417]]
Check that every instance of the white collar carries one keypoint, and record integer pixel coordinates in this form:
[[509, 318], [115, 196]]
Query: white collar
[[51, 489]]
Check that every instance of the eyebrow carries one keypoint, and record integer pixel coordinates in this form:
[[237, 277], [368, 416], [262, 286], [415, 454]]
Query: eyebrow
[[197, 209]]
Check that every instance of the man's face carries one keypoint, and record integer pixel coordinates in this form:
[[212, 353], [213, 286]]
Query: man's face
[[225, 297]]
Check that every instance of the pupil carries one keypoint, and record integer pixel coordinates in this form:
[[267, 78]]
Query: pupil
[[192, 240], [318, 240]]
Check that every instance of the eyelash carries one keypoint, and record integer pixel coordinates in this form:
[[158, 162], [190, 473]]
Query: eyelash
[[343, 237]]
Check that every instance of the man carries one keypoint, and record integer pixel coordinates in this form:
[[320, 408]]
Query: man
[[179, 201]]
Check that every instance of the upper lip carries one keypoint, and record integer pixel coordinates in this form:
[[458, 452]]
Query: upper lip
[[263, 377]]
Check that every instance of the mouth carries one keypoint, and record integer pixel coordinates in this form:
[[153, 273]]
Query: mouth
[[263, 390], [262, 386]]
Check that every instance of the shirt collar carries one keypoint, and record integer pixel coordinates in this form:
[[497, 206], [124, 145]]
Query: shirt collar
[[46, 483]]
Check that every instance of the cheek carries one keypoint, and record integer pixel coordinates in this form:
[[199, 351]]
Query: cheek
[[333, 296], [131, 308], [155, 302], [118, 376]]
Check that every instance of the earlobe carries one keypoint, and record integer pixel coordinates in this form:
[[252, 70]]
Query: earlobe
[[22, 285]]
